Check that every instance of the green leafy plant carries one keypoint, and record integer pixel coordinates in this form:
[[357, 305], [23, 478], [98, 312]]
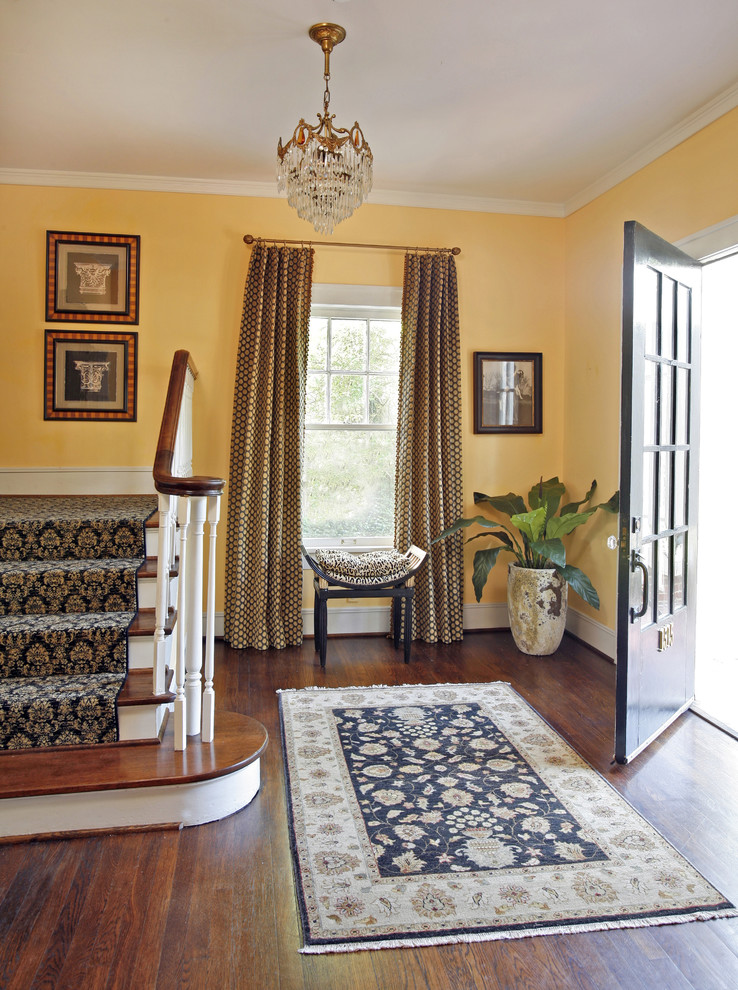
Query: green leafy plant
[[535, 533]]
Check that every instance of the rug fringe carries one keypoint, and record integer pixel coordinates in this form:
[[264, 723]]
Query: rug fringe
[[371, 687], [416, 943]]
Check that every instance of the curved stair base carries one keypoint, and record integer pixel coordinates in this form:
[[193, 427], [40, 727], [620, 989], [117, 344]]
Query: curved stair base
[[126, 786]]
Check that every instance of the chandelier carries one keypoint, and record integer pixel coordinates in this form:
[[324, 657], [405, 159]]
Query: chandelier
[[325, 171]]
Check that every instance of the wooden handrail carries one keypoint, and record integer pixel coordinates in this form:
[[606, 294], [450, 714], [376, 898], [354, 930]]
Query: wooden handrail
[[164, 481]]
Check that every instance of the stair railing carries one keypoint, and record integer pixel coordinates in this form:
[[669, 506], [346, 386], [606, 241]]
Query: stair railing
[[185, 502]]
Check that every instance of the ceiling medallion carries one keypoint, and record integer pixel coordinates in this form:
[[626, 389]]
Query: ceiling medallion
[[326, 171]]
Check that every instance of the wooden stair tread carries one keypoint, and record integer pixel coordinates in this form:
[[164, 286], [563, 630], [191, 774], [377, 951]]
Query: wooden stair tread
[[150, 567], [137, 689], [239, 740], [144, 624]]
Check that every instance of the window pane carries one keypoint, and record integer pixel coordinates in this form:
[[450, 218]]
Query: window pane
[[348, 345], [318, 345], [315, 399], [668, 293], [383, 399], [348, 403], [348, 483], [384, 345]]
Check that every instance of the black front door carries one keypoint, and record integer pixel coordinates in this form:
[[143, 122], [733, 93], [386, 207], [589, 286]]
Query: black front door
[[658, 489]]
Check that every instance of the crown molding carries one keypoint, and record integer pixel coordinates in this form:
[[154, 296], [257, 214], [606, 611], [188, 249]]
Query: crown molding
[[721, 105], [264, 190], [710, 112]]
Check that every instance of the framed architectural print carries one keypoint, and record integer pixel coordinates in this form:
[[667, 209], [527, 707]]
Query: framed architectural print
[[90, 375], [92, 278], [507, 392]]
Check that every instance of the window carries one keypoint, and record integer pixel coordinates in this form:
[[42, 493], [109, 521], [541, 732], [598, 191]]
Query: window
[[348, 479]]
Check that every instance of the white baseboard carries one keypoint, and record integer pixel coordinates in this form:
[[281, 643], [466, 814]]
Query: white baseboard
[[77, 481], [358, 621], [593, 633]]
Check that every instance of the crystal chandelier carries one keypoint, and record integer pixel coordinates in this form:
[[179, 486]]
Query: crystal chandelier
[[325, 171]]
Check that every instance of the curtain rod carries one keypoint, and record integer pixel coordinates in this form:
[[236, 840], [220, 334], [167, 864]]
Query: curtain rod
[[250, 239]]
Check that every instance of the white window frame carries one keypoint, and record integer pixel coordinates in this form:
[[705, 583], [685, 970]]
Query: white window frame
[[364, 302]]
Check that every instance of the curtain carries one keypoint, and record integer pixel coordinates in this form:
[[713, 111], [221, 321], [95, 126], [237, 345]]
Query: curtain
[[263, 586], [428, 485]]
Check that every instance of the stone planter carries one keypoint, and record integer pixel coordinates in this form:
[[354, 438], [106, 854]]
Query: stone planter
[[536, 604]]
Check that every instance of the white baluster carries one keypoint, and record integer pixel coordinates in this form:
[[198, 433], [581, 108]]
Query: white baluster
[[162, 595], [208, 698], [180, 700], [193, 686]]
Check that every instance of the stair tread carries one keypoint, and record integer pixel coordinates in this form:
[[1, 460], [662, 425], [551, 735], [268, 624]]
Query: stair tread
[[137, 689], [239, 740], [71, 564], [67, 621], [144, 624]]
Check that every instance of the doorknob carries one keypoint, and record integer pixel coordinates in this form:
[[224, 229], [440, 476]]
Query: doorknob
[[637, 562]]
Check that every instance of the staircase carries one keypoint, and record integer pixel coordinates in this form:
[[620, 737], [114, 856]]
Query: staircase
[[73, 573], [95, 658]]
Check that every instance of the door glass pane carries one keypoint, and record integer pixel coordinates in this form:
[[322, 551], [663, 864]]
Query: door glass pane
[[668, 292], [681, 463], [663, 579], [666, 404], [648, 508], [646, 303], [646, 555], [680, 570], [683, 323], [664, 517], [681, 402], [650, 403]]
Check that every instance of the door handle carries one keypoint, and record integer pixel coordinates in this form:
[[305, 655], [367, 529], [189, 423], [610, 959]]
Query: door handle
[[637, 562]]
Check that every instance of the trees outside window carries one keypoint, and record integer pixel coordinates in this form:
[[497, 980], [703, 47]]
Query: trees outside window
[[348, 478]]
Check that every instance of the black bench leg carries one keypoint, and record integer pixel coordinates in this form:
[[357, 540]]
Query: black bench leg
[[396, 620], [408, 626], [323, 633], [316, 621]]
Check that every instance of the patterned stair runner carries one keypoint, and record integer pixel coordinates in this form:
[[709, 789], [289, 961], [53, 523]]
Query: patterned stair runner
[[67, 597]]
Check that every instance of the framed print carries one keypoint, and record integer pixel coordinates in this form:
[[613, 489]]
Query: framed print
[[92, 277], [507, 393], [90, 375]]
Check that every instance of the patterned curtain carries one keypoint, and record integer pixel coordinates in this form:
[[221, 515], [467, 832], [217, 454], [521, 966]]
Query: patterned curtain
[[263, 586], [428, 494]]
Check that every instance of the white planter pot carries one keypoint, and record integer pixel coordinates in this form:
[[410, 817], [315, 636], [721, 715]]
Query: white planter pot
[[536, 604]]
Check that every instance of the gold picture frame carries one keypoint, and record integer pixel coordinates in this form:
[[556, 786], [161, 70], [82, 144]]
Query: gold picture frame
[[90, 376], [92, 278]]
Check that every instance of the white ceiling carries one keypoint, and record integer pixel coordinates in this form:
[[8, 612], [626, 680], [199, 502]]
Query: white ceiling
[[465, 102]]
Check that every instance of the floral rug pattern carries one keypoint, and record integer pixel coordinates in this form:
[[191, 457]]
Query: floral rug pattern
[[68, 594], [438, 813]]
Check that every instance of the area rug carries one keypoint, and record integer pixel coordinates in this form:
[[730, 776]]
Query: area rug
[[430, 814]]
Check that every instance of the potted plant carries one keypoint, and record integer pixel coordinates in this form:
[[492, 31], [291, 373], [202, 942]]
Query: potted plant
[[539, 578]]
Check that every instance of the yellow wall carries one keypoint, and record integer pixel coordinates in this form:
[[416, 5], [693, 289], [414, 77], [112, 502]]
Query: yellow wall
[[193, 265], [525, 283], [690, 188]]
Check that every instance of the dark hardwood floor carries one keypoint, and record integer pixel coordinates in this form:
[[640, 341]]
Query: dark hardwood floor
[[213, 907]]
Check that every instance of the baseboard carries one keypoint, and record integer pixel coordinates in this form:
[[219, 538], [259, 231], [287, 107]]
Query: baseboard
[[592, 633], [372, 620], [77, 481]]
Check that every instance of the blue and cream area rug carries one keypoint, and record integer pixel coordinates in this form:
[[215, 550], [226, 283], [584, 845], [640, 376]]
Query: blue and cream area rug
[[429, 814]]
